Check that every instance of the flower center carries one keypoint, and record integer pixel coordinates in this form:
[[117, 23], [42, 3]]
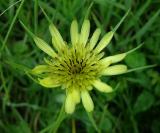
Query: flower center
[[77, 66]]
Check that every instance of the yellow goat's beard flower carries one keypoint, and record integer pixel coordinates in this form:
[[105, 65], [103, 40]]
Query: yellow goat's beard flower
[[77, 68]]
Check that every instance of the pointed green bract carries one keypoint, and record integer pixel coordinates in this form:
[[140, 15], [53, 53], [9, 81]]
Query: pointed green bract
[[44, 47], [27, 29], [114, 58], [56, 37], [115, 70], [40, 43], [40, 69], [94, 38], [134, 49], [74, 32], [49, 82], [85, 30], [45, 14], [122, 19], [119, 57], [104, 41], [140, 68]]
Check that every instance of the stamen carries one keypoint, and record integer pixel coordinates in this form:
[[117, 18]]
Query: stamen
[[78, 66]]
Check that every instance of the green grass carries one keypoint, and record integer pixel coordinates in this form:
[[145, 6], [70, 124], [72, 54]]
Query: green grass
[[26, 107]]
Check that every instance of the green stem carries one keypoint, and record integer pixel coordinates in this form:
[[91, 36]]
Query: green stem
[[6, 96], [60, 118], [93, 122], [73, 126], [52, 128]]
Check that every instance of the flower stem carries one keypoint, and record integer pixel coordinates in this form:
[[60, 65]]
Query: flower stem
[[52, 128], [73, 126], [93, 122], [58, 121]]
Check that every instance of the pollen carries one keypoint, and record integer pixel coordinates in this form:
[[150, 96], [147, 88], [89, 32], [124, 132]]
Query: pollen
[[77, 67]]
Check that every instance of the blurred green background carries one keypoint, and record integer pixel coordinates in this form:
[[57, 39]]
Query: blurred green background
[[26, 107]]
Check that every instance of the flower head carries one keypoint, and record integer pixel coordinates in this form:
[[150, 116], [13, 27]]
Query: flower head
[[78, 66]]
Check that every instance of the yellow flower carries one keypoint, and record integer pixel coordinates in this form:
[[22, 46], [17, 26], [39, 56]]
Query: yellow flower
[[78, 66]]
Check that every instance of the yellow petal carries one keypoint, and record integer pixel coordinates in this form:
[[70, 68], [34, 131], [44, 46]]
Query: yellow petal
[[106, 63], [89, 88], [56, 44], [114, 58], [104, 41], [94, 38], [87, 101], [44, 47], [56, 37], [49, 82], [103, 87], [115, 70], [69, 104], [74, 32], [85, 30], [40, 69], [76, 95]]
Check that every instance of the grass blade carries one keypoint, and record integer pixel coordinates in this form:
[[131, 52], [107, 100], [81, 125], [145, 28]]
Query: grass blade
[[11, 26], [146, 27]]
